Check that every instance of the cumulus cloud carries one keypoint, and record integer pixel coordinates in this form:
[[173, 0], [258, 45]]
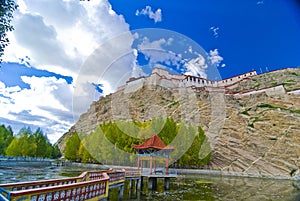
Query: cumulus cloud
[[147, 11], [156, 51], [59, 36], [214, 57], [47, 102], [196, 67]]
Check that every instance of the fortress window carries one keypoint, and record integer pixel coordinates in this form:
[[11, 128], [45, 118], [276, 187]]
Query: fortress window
[[231, 79], [239, 77]]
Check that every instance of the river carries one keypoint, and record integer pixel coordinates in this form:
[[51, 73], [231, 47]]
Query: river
[[186, 187]]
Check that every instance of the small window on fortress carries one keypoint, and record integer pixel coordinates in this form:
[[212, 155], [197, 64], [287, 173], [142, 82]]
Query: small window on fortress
[[239, 77], [245, 75], [231, 79], [250, 73]]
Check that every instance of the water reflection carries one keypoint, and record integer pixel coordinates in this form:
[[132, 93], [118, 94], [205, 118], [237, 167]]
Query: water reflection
[[214, 188], [188, 187]]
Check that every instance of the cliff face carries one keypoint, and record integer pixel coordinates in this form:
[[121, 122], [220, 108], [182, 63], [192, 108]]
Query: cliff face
[[252, 125]]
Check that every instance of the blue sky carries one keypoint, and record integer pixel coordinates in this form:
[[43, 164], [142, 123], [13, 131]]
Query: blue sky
[[64, 54]]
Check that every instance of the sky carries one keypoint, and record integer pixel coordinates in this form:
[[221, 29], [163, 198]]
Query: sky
[[64, 54]]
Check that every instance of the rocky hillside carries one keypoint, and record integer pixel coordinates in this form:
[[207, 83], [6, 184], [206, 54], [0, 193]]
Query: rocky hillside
[[257, 133]]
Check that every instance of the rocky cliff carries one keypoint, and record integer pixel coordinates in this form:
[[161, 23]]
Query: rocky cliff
[[252, 125]]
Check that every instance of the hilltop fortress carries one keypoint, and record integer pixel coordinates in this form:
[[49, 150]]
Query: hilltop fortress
[[163, 78]]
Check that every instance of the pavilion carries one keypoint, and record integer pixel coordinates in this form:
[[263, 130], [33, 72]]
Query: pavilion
[[152, 150]]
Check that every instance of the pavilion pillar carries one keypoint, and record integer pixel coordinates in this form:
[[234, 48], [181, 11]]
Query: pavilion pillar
[[150, 164], [167, 166], [138, 162]]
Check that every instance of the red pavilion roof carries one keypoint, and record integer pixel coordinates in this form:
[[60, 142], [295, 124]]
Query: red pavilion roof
[[154, 142]]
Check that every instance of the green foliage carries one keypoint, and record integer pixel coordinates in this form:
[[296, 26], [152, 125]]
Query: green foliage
[[56, 152], [111, 142], [173, 103], [257, 85], [277, 107], [267, 106], [27, 144], [296, 74], [246, 112], [72, 147], [6, 136], [7, 7]]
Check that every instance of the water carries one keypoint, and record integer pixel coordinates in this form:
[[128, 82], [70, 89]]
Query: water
[[187, 187]]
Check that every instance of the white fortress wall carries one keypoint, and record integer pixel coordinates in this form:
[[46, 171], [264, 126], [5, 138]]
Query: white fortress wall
[[134, 85], [235, 79], [199, 82], [152, 80], [272, 91], [167, 83], [295, 92], [178, 77]]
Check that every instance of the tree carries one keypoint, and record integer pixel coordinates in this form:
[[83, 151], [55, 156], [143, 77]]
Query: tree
[[72, 147], [7, 7], [6, 136], [56, 152]]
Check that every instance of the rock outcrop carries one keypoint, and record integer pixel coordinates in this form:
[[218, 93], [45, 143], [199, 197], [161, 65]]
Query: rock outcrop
[[252, 125]]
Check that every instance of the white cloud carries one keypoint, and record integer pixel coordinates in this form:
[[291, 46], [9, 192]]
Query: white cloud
[[214, 57], [157, 52], [59, 36], [156, 16], [214, 31], [196, 67], [47, 102]]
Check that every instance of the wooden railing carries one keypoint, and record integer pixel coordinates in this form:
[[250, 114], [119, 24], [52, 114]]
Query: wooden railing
[[116, 176], [89, 185], [133, 172], [39, 184], [77, 191]]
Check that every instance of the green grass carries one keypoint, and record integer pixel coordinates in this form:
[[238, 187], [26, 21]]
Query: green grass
[[173, 103], [276, 107], [245, 112], [296, 74]]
